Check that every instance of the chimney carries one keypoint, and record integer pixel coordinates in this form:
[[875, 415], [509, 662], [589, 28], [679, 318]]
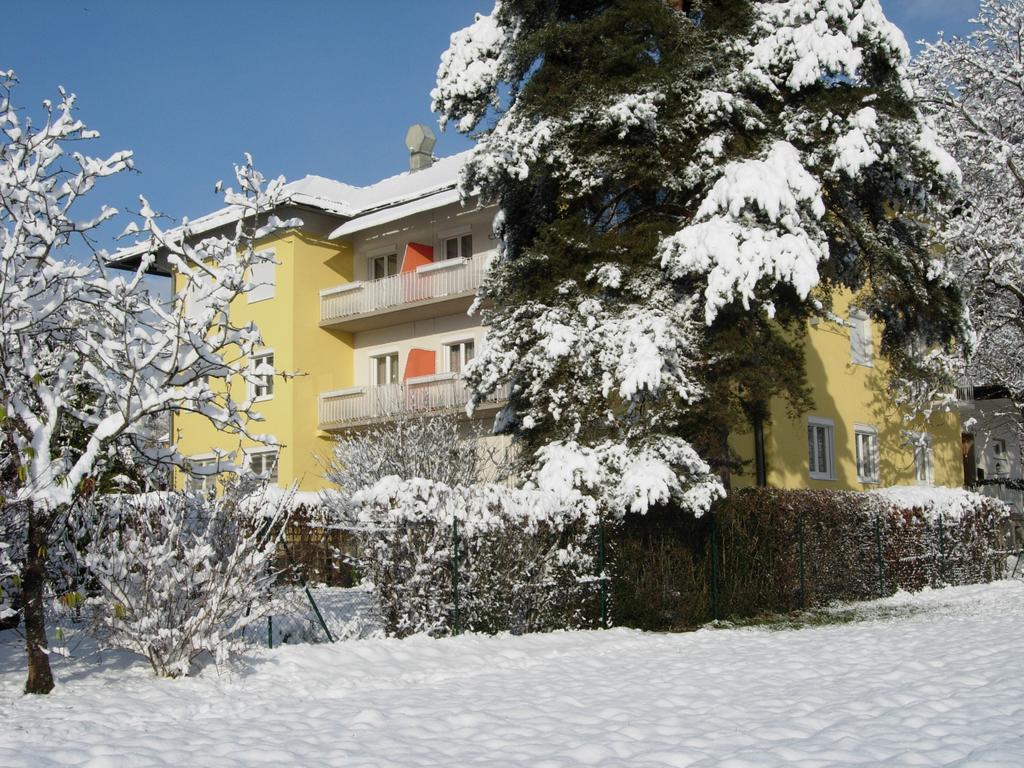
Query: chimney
[[420, 140]]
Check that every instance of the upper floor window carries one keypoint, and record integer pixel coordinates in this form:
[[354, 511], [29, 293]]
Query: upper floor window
[[460, 247], [866, 445], [820, 451], [262, 274], [385, 369], [384, 265], [460, 353], [861, 350], [264, 464], [262, 367]]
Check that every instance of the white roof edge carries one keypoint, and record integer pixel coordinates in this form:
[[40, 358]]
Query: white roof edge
[[363, 204], [395, 212]]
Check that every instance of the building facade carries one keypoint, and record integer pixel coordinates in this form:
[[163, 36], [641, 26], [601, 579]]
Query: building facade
[[366, 314]]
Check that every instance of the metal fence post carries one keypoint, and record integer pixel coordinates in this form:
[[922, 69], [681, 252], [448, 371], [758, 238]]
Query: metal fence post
[[800, 549], [456, 628], [603, 594], [878, 552], [942, 553], [714, 568]]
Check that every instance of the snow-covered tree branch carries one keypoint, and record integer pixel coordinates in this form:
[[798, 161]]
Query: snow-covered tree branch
[[88, 355], [973, 87]]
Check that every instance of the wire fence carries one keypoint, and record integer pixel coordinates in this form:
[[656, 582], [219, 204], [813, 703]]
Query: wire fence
[[771, 554]]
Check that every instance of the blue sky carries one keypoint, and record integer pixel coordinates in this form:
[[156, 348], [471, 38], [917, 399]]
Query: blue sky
[[307, 86]]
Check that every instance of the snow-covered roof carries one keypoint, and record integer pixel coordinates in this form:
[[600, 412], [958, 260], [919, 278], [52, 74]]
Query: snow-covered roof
[[396, 212], [412, 191]]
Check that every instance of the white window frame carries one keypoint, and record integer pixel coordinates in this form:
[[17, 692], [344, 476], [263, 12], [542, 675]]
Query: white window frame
[[264, 278], [458, 236], [263, 454], [830, 449], [204, 483], [871, 433], [372, 258], [392, 354], [268, 384], [861, 343], [998, 448], [924, 458], [461, 344]]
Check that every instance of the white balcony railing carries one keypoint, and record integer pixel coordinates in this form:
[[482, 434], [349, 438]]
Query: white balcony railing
[[428, 393], [430, 281]]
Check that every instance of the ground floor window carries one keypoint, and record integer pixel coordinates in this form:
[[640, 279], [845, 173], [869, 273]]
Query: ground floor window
[[820, 451], [867, 454], [924, 458], [264, 464]]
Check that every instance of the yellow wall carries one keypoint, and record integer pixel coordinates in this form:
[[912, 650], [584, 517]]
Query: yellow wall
[[849, 394], [289, 325]]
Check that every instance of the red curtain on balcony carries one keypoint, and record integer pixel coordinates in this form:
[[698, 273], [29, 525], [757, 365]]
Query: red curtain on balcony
[[421, 362], [416, 255]]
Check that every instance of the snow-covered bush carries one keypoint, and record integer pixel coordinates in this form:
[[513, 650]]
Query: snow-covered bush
[[435, 447], [519, 560], [177, 574]]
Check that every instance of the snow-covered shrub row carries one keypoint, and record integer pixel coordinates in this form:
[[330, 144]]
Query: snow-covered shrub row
[[524, 559], [669, 570], [176, 575]]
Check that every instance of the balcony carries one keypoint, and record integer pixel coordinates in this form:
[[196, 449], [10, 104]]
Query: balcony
[[426, 394], [444, 287]]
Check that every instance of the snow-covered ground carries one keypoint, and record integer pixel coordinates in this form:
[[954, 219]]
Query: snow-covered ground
[[931, 679]]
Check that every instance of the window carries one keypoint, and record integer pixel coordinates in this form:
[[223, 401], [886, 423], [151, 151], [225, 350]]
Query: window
[[385, 369], [866, 444], [1001, 465], [459, 354], [262, 367], [383, 266], [460, 247], [264, 464], [924, 458], [819, 448], [262, 274], [203, 481], [860, 338]]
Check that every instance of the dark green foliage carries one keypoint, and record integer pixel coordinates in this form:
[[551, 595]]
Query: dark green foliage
[[594, 194], [662, 571]]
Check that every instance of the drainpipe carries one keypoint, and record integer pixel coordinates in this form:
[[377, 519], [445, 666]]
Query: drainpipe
[[759, 459]]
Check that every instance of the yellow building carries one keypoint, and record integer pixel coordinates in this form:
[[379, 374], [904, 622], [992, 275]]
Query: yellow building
[[854, 438], [368, 305]]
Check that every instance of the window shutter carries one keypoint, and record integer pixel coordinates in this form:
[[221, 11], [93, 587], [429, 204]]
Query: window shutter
[[860, 338], [262, 274]]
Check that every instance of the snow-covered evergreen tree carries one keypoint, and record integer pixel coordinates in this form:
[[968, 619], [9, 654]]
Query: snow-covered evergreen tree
[[88, 355], [680, 186], [974, 89]]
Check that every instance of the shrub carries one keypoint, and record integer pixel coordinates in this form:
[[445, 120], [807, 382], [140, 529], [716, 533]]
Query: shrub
[[522, 560], [177, 575], [768, 550]]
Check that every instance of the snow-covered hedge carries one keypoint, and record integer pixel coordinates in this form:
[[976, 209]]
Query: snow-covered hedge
[[483, 558], [769, 550]]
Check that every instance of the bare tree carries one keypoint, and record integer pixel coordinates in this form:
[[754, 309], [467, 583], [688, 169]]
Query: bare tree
[[973, 88], [88, 355]]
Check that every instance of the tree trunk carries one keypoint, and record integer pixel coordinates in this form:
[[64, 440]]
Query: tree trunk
[[40, 678]]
